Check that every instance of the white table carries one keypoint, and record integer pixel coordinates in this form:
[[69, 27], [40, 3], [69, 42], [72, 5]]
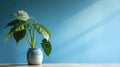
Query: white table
[[61, 65]]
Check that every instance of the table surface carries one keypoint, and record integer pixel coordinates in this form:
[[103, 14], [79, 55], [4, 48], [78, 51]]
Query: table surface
[[61, 65]]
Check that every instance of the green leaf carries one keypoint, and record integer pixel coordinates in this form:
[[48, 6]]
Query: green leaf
[[46, 46], [20, 27], [44, 31], [16, 29], [13, 23], [19, 35], [8, 36], [17, 23]]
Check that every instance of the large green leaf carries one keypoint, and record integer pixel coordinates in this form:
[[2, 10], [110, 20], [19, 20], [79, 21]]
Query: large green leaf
[[19, 35], [20, 27], [46, 46], [17, 23], [44, 31], [13, 23], [16, 28]]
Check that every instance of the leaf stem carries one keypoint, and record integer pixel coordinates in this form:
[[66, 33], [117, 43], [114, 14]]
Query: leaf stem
[[26, 37]]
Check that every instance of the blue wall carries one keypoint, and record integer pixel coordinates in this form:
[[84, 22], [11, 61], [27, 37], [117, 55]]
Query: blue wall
[[83, 31]]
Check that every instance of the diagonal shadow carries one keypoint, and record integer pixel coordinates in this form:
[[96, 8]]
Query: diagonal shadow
[[87, 31]]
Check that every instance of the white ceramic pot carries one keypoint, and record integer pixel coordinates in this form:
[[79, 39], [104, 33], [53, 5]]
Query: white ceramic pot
[[34, 56]]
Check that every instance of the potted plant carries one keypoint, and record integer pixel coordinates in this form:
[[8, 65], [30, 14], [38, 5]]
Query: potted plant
[[26, 27]]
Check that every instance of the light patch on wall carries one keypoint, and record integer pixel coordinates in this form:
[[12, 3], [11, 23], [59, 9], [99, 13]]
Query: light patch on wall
[[91, 16], [79, 31]]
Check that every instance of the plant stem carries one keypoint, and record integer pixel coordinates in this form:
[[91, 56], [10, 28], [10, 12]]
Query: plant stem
[[27, 38], [30, 31], [32, 37], [32, 34]]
